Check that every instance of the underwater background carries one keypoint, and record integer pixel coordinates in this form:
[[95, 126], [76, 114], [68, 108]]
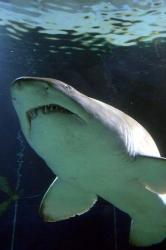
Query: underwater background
[[114, 51]]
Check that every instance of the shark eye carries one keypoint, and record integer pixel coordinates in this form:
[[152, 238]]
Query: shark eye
[[67, 86]]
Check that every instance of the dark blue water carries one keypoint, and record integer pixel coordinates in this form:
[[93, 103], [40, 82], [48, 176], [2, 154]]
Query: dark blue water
[[131, 78]]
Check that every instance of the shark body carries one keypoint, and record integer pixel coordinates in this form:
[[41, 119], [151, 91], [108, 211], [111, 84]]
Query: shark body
[[95, 150]]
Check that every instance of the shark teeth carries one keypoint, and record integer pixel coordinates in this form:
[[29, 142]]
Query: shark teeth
[[46, 109]]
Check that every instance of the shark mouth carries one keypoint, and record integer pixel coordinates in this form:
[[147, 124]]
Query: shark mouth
[[46, 109]]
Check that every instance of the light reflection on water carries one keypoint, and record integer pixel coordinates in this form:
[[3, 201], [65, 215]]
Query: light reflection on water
[[112, 21]]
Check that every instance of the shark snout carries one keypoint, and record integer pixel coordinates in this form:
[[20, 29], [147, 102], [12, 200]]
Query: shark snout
[[17, 85], [26, 81], [27, 93], [29, 86], [21, 81], [33, 92]]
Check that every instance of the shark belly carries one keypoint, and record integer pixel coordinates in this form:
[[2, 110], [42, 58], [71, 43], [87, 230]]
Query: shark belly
[[88, 163]]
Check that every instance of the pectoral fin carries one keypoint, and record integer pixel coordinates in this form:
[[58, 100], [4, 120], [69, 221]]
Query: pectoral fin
[[148, 214], [63, 201], [152, 173], [142, 234]]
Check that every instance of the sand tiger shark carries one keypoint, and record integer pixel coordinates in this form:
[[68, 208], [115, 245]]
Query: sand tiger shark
[[95, 150]]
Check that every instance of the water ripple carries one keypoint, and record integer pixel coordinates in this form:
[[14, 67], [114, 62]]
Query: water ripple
[[112, 21]]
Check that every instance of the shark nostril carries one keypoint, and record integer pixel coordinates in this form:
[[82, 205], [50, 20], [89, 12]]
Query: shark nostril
[[17, 85]]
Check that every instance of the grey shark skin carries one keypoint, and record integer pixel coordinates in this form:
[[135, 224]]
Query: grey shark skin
[[95, 150]]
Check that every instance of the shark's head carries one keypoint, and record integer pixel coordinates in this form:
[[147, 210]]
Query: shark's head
[[35, 97], [53, 115]]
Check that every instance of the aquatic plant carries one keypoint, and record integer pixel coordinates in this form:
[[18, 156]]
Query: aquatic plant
[[12, 196]]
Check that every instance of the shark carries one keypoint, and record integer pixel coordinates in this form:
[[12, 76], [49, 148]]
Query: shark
[[94, 150]]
